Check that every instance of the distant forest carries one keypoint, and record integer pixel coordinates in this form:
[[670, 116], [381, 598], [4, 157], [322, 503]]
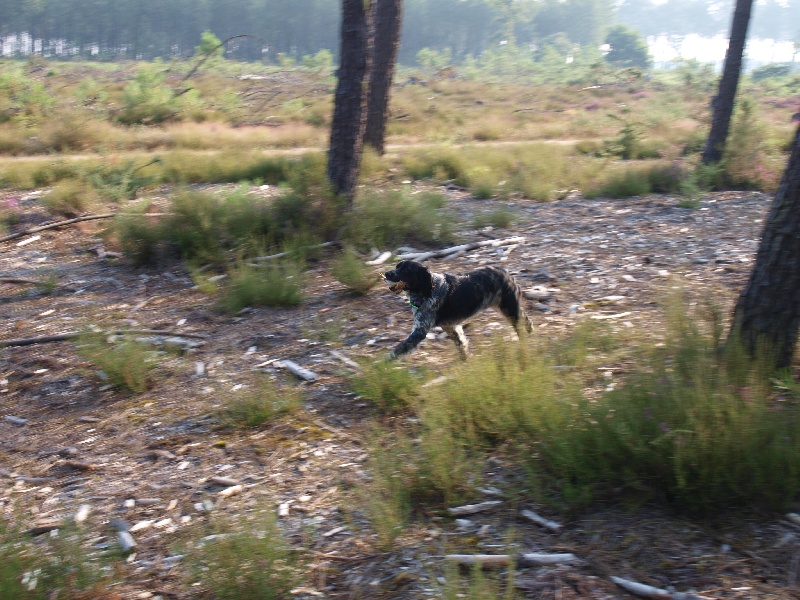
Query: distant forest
[[277, 29]]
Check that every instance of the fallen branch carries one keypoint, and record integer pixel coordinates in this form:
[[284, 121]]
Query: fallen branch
[[471, 509], [20, 234], [58, 224], [19, 280], [297, 370], [540, 521], [380, 260], [420, 256], [648, 591], [282, 254], [61, 337], [486, 561]]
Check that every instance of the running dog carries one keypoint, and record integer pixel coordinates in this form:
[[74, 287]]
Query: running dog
[[449, 300]]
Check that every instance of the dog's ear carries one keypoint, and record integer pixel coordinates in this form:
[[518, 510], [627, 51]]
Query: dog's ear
[[419, 280]]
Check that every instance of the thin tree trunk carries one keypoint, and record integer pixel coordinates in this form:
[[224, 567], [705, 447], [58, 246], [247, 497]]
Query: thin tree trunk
[[349, 113], [726, 95], [386, 42], [767, 314]]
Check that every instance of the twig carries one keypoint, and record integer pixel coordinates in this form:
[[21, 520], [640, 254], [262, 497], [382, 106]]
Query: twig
[[461, 248], [282, 254], [540, 520], [471, 509], [648, 591], [20, 234], [57, 224], [76, 334], [19, 281]]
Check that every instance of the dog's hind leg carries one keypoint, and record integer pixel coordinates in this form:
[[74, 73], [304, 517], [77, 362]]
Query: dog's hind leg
[[511, 307], [456, 333]]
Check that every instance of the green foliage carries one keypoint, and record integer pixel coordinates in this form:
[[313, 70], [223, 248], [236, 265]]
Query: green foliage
[[388, 385], [278, 284], [124, 363], [70, 198], [500, 217], [628, 48], [322, 61], [64, 565], [23, 100], [382, 219], [148, 100], [747, 163], [690, 428], [658, 178], [349, 269], [412, 472], [431, 60], [116, 182], [260, 404], [210, 45], [244, 560]]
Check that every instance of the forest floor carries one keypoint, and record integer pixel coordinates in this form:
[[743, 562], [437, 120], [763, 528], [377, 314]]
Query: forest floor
[[150, 459]]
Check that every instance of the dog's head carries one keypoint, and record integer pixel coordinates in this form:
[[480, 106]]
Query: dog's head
[[416, 278]]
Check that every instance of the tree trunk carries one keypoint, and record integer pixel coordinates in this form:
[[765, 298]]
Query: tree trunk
[[349, 113], [767, 314], [724, 100], [388, 19]]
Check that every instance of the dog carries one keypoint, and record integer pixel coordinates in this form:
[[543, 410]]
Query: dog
[[449, 300]]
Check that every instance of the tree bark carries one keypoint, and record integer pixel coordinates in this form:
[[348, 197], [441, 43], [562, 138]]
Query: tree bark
[[767, 314], [349, 113], [386, 42], [726, 94]]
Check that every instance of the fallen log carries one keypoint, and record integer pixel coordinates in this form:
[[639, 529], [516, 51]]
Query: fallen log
[[648, 591]]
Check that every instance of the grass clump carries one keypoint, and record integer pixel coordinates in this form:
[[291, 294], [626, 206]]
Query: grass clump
[[261, 404], [244, 562], [499, 217], [124, 363], [691, 428], [350, 270], [278, 284], [400, 216], [70, 198], [50, 566], [387, 385]]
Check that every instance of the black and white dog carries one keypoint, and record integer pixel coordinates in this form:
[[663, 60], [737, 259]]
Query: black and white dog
[[449, 300]]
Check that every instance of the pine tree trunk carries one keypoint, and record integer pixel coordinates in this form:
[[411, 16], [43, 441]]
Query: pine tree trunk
[[767, 314], [349, 113], [726, 95], [388, 19]]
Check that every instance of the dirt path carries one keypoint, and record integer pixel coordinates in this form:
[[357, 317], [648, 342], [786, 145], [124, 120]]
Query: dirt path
[[151, 457]]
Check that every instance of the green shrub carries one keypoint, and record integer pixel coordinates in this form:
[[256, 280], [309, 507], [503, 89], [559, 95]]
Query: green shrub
[[388, 385], [261, 404], [622, 184], [349, 269], [70, 198], [48, 566], [124, 363], [246, 558], [148, 100], [278, 284], [500, 217], [697, 431], [399, 216]]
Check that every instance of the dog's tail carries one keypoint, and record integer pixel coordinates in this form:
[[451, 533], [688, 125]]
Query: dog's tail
[[511, 304]]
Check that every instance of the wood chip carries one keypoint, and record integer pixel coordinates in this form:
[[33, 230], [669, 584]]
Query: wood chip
[[80, 465], [536, 559], [223, 481], [231, 491], [15, 420]]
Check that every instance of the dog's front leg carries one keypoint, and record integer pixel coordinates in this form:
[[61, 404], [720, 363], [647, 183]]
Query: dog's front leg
[[423, 321]]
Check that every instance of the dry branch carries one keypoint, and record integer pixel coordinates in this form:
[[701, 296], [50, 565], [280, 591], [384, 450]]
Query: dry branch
[[61, 337], [471, 509], [486, 561], [541, 521], [648, 591], [19, 280], [19, 234], [282, 254], [461, 248]]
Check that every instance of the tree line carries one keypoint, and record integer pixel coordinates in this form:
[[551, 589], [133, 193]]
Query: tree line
[[277, 30]]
